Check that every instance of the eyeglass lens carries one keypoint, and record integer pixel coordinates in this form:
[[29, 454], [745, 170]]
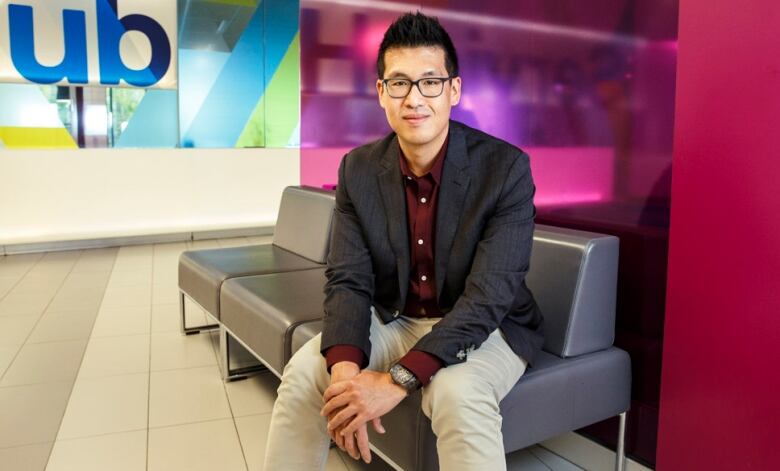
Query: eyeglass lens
[[429, 87]]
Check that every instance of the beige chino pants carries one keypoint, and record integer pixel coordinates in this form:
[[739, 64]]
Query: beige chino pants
[[461, 401]]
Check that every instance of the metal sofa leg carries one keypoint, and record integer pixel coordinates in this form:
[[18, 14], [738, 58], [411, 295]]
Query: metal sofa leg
[[233, 374], [620, 453], [195, 329]]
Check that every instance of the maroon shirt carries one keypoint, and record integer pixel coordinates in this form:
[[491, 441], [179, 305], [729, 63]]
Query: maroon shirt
[[421, 300]]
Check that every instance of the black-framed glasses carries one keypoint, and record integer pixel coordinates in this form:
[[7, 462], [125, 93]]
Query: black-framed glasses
[[430, 87]]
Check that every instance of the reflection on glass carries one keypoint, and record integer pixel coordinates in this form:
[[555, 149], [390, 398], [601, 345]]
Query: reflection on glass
[[238, 87], [122, 103], [586, 88], [238, 65]]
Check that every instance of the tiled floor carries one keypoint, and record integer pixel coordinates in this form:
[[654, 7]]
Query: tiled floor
[[95, 375]]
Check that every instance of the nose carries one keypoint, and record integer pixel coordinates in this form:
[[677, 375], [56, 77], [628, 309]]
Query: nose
[[414, 98]]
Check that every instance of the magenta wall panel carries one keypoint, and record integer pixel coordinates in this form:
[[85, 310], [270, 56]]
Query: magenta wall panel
[[721, 369], [586, 88]]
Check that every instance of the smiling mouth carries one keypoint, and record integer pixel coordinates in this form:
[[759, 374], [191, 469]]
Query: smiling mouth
[[415, 119]]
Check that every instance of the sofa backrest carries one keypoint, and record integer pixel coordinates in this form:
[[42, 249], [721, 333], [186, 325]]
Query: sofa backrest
[[303, 224], [573, 276]]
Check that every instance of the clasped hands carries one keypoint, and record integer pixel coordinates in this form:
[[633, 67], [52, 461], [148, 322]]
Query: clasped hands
[[355, 398]]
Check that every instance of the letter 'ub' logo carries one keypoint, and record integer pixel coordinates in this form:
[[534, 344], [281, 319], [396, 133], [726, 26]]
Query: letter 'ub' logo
[[74, 68]]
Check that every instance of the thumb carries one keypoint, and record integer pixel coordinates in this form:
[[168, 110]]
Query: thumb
[[377, 423]]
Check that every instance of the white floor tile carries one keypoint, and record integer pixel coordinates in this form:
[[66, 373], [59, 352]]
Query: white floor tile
[[32, 305], [133, 320], [26, 458], [6, 283], [59, 326], [7, 354], [253, 432], [116, 452], [206, 446], [18, 265], [185, 396], [15, 330], [165, 293], [109, 356], [106, 405], [255, 395], [32, 413], [174, 350], [522, 460], [586, 453], [127, 296], [130, 277], [552, 460], [49, 362], [166, 318]]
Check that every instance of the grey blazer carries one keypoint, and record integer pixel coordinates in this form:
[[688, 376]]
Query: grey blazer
[[484, 231]]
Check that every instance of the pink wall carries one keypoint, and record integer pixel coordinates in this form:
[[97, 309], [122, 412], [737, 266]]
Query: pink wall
[[720, 408], [563, 175]]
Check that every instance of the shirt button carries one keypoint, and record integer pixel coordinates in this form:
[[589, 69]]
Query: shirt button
[[423, 200], [424, 278], [419, 241], [408, 178]]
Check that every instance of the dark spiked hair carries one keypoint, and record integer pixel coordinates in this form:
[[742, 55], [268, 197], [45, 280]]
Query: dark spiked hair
[[414, 30]]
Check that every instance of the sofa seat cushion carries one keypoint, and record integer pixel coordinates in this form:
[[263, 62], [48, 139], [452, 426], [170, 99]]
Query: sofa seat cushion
[[202, 272], [264, 310], [302, 334]]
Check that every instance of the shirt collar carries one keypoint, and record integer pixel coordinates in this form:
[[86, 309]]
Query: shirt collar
[[438, 163]]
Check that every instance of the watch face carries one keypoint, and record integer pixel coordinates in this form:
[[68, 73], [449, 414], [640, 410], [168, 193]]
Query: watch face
[[403, 377]]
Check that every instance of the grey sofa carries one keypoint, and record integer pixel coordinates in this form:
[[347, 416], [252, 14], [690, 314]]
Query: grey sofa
[[300, 242], [579, 378]]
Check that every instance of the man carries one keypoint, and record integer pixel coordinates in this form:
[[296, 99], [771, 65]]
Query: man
[[431, 242]]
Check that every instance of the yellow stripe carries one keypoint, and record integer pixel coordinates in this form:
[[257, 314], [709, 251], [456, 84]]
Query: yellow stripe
[[243, 3], [36, 138]]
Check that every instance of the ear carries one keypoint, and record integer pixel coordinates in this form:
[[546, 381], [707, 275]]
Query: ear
[[380, 95], [455, 84]]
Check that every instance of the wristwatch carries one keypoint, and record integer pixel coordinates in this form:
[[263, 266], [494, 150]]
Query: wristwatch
[[404, 378]]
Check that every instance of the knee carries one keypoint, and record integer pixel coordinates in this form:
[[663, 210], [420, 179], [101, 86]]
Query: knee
[[306, 370], [458, 395]]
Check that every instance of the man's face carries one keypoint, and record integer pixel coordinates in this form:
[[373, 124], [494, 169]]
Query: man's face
[[418, 120]]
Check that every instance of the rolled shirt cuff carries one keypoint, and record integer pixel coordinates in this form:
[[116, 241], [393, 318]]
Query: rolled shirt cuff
[[340, 352]]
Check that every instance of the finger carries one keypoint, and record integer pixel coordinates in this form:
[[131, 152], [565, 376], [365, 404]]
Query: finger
[[335, 403], [339, 439], [349, 443], [341, 417], [335, 389], [362, 443], [333, 436], [377, 423], [355, 424]]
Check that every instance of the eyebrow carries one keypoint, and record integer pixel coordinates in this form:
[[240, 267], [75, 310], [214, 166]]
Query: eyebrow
[[430, 73]]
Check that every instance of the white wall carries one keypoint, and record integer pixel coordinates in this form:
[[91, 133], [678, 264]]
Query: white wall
[[48, 196]]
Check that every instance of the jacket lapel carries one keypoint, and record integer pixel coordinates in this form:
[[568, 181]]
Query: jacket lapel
[[394, 202], [452, 193]]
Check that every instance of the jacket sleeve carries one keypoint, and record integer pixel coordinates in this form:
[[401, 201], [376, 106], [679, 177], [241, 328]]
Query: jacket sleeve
[[349, 288], [497, 272]]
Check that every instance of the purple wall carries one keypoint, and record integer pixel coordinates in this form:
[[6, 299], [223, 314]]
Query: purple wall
[[586, 88]]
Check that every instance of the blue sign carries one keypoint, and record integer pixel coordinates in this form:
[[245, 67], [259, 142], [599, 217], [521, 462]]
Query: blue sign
[[26, 43]]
